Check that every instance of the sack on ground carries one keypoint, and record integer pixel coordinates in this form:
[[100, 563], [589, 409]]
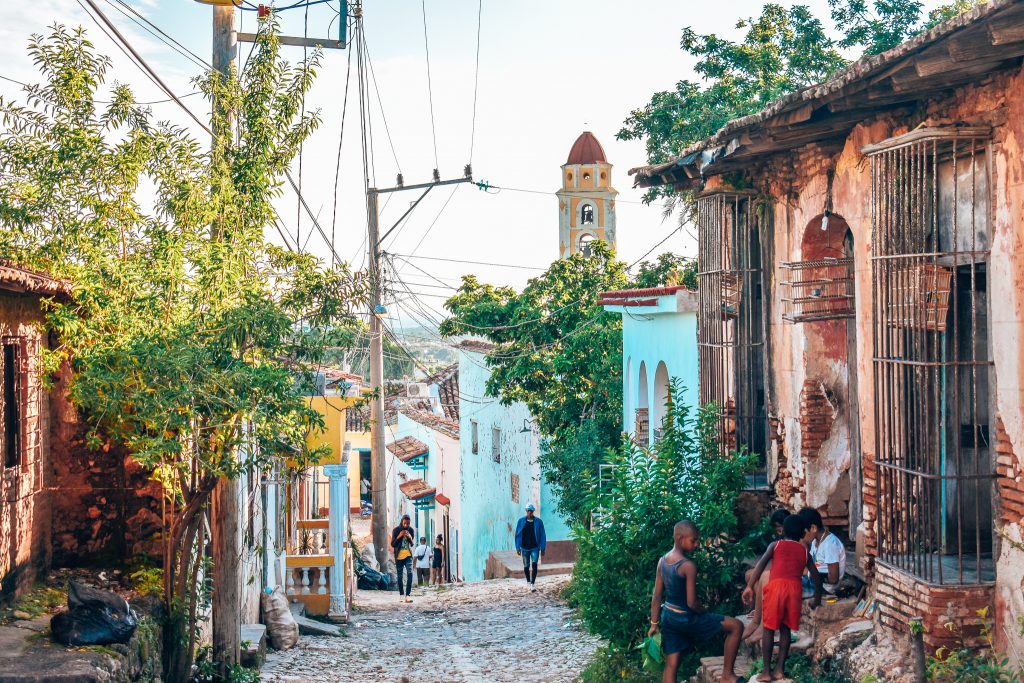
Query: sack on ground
[[93, 617], [368, 555], [281, 627]]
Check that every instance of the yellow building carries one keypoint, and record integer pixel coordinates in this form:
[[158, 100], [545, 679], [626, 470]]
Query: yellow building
[[586, 202]]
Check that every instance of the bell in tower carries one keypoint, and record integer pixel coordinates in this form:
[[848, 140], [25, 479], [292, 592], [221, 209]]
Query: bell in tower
[[586, 201]]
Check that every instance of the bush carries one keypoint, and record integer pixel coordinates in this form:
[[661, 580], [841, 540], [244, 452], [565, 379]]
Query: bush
[[609, 663], [644, 494], [964, 665]]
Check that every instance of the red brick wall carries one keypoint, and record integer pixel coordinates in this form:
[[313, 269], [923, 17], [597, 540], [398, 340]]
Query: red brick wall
[[901, 597], [1009, 478]]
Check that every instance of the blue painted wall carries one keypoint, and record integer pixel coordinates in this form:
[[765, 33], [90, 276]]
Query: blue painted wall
[[488, 513]]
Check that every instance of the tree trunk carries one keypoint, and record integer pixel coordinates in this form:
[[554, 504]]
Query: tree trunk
[[226, 576]]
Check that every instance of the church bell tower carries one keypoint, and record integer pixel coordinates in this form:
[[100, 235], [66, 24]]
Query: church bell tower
[[586, 202]]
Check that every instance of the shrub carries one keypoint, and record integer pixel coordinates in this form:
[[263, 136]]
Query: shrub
[[645, 492], [963, 665]]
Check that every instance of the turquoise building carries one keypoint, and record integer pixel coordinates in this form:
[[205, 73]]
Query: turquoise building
[[659, 343], [499, 474]]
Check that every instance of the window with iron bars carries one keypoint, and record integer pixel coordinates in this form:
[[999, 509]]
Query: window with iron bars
[[730, 321], [12, 400], [496, 444], [933, 407]]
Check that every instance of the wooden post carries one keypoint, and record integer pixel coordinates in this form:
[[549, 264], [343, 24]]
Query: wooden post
[[226, 603], [379, 495]]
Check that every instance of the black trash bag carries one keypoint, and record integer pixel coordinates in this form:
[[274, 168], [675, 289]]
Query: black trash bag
[[368, 578], [93, 617]]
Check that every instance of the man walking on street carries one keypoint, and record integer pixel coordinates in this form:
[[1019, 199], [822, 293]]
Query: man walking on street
[[531, 542], [401, 543]]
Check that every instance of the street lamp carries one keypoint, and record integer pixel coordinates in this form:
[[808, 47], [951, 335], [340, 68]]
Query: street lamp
[[527, 429]]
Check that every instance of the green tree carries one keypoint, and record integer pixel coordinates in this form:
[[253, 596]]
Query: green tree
[[783, 50], [558, 352], [637, 501], [182, 331]]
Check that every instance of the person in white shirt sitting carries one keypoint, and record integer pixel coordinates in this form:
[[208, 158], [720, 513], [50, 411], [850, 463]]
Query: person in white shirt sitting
[[827, 551]]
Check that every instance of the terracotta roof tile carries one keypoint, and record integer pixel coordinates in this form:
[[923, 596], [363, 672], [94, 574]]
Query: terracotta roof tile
[[416, 489], [435, 422], [477, 345], [15, 278], [407, 448]]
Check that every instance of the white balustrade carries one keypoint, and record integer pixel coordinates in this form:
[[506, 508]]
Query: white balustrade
[[289, 582], [322, 581], [305, 580]]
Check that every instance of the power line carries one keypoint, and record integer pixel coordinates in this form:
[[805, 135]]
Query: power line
[[476, 78], [430, 87], [168, 99], [475, 263], [154, 30], [341, 137]]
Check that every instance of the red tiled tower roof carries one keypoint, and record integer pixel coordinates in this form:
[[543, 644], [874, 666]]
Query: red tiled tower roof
[[586, 150]]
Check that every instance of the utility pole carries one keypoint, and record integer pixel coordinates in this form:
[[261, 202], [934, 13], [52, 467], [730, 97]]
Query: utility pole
[[381, 537], [227, 576]]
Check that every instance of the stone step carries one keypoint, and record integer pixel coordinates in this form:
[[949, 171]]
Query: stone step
[[506, 564], [298, 609], [710, 670], [312, 627], [254, 645]]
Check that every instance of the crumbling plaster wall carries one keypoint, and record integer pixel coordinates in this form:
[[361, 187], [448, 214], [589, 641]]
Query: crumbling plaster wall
[[799, 189]]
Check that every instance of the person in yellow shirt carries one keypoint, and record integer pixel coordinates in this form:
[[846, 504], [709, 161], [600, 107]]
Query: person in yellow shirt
[[402, 542]]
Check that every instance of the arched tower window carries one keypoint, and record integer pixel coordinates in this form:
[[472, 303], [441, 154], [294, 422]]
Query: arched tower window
[[585, 244], [587, 214]]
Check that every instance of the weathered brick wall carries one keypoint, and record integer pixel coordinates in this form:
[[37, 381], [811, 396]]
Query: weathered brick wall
[[1009, 479], [24, 503], [901, 597]]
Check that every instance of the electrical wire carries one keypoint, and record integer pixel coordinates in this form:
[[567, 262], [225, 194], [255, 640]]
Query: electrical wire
[[476, 263], [140, 20], [476, 79], [430, 87], [341, 138]]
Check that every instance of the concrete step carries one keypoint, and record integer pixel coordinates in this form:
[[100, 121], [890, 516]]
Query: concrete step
[[505, 564], [312, 627], [254, 645], [710, 670], [298, 609]]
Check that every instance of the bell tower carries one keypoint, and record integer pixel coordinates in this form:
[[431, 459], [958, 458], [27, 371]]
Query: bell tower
[[586, 202]]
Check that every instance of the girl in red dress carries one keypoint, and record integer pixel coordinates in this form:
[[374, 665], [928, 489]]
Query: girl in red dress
[[783, 592]]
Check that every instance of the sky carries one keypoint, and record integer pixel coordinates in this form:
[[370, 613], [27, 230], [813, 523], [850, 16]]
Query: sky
[[547, 71]]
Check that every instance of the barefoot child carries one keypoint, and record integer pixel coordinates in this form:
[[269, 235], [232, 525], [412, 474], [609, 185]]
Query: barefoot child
[[676, 611], [752, 632], [784, 591]]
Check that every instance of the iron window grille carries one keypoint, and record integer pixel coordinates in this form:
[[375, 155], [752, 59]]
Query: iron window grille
[[496, 444], [821, 289], [933, 407], [730, 321], [12, 400]]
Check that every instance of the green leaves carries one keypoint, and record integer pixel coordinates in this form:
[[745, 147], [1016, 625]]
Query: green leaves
[[642, 496]]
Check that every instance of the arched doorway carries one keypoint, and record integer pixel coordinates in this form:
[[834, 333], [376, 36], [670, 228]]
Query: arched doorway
[[642, 431], [659, 409]]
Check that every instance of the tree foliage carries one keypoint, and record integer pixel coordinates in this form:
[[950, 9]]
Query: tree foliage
[[783, 50], [185, 327], [559, 352], [641, 496]]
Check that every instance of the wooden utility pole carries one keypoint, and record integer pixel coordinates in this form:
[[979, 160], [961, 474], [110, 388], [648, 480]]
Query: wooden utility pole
[[379, 493], [227, 576], [381, 537]]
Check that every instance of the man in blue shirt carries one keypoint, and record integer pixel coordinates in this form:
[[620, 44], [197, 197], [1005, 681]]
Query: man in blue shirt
[[531, 542]]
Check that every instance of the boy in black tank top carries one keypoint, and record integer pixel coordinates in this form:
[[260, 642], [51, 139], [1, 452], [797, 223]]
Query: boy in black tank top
[[677, 613]]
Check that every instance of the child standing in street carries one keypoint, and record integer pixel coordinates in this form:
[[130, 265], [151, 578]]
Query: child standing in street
[[677, 613], [783, 593]]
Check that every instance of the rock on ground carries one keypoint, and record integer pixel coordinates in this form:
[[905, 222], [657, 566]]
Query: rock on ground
[[490, 631]]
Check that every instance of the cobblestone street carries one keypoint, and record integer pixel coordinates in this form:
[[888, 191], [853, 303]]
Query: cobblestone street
[[491, 631]]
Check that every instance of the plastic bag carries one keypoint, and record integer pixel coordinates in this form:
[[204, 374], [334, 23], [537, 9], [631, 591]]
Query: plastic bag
[[282, 630], [93, 617], [650, 651]]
